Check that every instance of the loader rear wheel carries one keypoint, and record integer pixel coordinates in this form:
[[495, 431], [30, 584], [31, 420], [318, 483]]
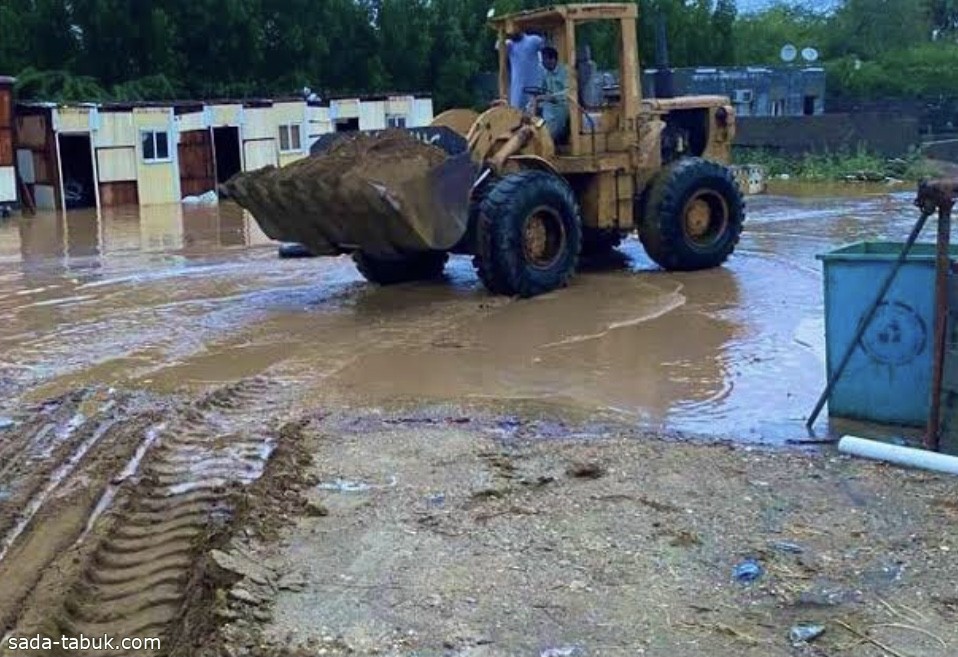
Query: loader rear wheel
[[528, 234], [401, 269], [692, 216]]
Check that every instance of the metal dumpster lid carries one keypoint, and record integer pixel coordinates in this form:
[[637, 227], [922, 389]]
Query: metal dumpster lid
[[878, 250]]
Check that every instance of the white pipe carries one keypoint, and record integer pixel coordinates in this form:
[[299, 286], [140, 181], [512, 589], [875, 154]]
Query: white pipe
[[906, 456]]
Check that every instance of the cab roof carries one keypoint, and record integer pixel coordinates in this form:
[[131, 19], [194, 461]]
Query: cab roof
[[558, 14]]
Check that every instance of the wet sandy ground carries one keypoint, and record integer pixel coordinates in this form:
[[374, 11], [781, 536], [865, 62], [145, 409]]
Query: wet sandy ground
[[175, 300], [174, 394], [470, 537]]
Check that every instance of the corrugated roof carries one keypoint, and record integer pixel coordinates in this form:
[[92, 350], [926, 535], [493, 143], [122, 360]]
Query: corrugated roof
[[187, 106]]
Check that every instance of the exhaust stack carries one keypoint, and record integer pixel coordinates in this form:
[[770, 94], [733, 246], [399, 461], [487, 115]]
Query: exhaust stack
[[664, 87]]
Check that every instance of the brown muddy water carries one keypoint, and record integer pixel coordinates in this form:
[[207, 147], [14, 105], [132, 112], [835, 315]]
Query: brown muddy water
[[172, 298]]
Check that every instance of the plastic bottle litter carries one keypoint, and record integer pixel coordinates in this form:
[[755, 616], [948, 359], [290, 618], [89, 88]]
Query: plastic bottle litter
[[787, 546], [564, 651], [209, 198], [345, 486], [805, 632], [748, 571]]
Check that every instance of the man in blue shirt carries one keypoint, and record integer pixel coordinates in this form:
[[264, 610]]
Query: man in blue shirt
[[525, 69]]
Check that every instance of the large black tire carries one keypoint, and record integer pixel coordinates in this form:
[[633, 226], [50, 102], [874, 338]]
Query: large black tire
[[390, 271], [528, 234], [692, 215]]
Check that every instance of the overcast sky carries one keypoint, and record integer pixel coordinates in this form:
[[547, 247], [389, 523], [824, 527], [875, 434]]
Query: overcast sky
[[752, 5]]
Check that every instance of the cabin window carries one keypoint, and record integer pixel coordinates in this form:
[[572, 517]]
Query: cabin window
[[290, 140], [396, 121], [156, 145]]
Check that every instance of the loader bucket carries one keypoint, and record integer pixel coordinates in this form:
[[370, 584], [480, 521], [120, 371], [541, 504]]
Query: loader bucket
[[386, 194]]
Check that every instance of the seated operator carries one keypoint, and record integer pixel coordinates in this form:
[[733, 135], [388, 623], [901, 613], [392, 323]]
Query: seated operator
[[554, 104]]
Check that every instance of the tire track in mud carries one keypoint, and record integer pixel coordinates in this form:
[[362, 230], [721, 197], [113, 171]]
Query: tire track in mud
[[50, 463], [147, 524]]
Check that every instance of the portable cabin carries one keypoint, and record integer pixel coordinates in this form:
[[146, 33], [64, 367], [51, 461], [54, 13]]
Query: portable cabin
[[37, 161], [380, 111], [291, 121], [8, 161], [225, 120], [194, 148]]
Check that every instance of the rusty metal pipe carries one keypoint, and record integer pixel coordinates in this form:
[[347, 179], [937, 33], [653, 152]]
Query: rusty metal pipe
[[942, 266]]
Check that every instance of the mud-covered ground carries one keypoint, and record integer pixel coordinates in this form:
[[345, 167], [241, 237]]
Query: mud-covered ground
[[244, 455], [456, 534]]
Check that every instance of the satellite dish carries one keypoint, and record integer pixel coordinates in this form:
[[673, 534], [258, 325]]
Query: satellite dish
[[809, 54], [491, 12], [788, 53]]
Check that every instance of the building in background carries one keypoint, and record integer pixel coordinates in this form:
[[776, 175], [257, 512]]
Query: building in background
[[105, 155], [753, 90]]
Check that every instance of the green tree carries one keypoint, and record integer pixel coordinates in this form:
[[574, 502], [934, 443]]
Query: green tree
[[15, 46], [54, 41], [723, 25], [869, 28], [406, 40], [759, 37], [944, 16]]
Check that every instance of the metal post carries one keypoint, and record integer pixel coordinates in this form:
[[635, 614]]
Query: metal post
[[942, 267]]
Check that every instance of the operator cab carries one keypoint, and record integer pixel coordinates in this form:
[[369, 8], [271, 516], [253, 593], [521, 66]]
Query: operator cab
[[598, 105]]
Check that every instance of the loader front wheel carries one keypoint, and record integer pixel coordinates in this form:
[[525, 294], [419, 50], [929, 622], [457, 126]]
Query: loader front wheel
[[401, 269], [528, 234], [692, 215]]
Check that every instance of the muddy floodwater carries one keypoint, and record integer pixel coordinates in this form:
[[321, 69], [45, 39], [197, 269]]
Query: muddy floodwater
[[172, 298]]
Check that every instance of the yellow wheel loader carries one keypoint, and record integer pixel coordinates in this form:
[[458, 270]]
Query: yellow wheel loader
[[524, 205]]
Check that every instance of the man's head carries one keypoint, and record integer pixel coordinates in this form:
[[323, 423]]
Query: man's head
[[515, 35], [550, 58]]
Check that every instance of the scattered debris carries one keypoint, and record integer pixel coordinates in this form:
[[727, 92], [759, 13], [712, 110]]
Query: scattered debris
[[347, 486], [537, 482], [489, 493], [787, 546], [748, 571], [586, 470], [564, 651], [685, 538], [811, 441], [316, 509], [805, 633], [209, 198]]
